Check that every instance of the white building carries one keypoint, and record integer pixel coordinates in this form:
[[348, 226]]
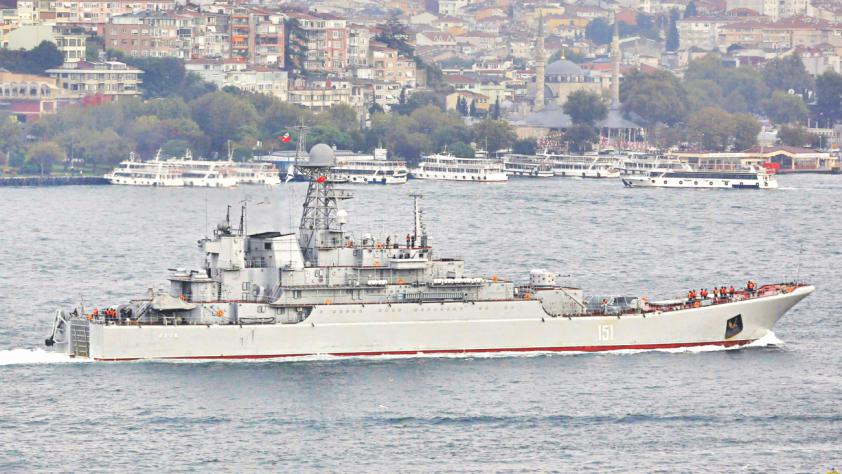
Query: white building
[[237, 74], [70, 41], [110, 78]]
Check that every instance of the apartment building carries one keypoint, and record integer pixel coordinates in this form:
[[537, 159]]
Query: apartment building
[[110, 78], [89, 14], [257, 36], [151, 34], [320, 43], [389, 66]]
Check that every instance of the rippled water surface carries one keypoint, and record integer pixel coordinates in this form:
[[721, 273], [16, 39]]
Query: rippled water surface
[[769, 408]]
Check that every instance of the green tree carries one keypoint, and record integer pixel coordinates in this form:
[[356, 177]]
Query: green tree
[[712, 127], [525, 146], [580, 137], [795, 135], [746, 130], [748, 83], [702, 93], [708, 67], [461, 149], [35, 61], [585, 107], [787, 73], [673, 39], [829, 96], [330, 135], [342, 117], [599, 31], [395, 34], [420, 99], [785, 108], [11, 139], [494, 134], [691, 10], [495, 111], [161, 76], [45, 155], [654, 96], [223, 117]]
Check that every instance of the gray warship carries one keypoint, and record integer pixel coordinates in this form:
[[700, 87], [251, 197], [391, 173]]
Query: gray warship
[[274, 294]]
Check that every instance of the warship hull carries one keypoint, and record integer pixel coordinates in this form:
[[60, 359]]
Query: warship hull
[[436, 328]]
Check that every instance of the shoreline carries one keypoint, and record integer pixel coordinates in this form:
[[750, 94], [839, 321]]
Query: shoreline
[[34, 181]]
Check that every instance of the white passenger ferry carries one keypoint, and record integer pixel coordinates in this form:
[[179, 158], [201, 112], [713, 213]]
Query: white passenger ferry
[[585, 166], [256, 173], [447, 167], [637, 164], [369, 169], [528, 166], [204, 173], [737, 179], [145, 173]]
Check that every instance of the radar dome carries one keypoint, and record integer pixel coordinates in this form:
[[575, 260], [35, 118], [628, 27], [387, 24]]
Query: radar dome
[[321, 156]]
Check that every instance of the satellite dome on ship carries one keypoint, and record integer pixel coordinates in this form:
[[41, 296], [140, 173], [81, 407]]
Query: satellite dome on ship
[[320, 156]]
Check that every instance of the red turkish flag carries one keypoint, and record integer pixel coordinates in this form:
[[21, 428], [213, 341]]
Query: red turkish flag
[[321, 179]]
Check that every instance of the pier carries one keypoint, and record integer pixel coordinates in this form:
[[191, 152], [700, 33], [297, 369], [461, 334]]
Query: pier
[[52, 180]]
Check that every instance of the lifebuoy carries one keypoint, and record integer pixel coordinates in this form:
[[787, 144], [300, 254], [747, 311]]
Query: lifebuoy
[[220, 313], [328, 301], [527, 296]]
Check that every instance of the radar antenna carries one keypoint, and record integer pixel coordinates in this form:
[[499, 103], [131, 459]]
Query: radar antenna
[[320, 227]]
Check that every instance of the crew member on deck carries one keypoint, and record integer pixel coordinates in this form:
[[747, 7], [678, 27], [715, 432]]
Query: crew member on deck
[[731, 292], [715, 293]]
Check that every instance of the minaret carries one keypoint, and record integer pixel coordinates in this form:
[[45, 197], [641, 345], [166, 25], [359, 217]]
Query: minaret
[[615, 74], [540, 61]]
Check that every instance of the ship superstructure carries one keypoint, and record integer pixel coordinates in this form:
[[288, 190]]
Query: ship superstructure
[[326, 290]]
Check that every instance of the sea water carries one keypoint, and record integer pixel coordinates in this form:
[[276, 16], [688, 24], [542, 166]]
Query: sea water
[[770, 407]]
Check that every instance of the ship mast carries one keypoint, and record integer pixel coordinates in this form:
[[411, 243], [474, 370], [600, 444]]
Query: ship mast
[[319, 227], [420, 232]]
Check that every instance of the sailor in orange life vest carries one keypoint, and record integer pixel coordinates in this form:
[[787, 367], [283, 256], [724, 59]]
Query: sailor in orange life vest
[[704, 293], [731, 292], [750, 287]]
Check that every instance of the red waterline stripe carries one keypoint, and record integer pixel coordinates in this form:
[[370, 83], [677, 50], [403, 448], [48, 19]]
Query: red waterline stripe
[[675, 345]]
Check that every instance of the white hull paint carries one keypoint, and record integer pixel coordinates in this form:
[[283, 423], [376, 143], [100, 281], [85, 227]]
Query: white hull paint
[[756, 181], [453, 327], [491, 177]]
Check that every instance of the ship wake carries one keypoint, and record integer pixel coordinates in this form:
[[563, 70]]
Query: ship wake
[[35, 356]]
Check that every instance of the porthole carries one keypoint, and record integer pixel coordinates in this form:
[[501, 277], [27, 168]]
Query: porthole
[[681, 182]]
